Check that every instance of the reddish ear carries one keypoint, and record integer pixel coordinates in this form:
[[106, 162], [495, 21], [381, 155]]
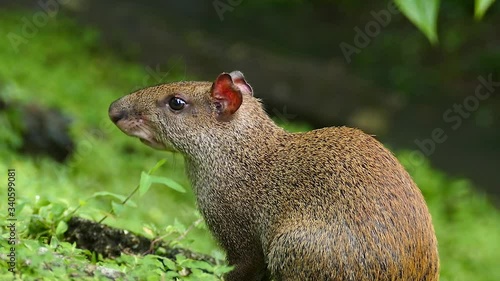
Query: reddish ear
[[241, 83], [227, 96]]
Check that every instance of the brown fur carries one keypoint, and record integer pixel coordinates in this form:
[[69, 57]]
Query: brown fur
[[330, 204]]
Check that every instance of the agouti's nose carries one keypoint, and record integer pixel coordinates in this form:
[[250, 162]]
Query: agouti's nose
[[116, 113]]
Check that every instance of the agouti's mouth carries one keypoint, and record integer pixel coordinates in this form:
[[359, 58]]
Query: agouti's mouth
[[137, 128], [152, 143], [143, 134]]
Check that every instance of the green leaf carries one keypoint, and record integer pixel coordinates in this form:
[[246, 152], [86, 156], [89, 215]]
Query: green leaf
[[106, 193], [168, 182], [180, 258], [158, 165], [82, 203], [145, 183], [54, 242], [222, 269], [58, 210], [172, 275], [170, 264], [422, 14], [480, 8], [180, 227], [117, 207], [118, 197], [197, 264], [45, 213], [62, 226], [131, 203]]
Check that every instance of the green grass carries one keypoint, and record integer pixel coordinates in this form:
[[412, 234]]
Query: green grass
[[63, 66]]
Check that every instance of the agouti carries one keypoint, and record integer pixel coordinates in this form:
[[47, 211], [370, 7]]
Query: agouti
[[329, 204]]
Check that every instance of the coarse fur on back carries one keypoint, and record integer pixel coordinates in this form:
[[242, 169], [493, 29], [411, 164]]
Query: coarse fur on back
[[329, 204]]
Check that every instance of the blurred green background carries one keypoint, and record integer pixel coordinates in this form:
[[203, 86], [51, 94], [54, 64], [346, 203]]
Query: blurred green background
[[63, 70]]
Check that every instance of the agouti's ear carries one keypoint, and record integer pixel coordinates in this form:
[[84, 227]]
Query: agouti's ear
[[226, 95], [241, 83]]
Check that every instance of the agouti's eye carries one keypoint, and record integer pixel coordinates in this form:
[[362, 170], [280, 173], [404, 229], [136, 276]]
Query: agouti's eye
[[176, 103]]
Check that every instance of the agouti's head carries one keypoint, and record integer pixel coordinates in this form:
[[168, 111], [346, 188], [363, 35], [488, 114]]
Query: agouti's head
[[186, 116]]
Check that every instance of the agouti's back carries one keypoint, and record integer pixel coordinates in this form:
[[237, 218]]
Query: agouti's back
[[343, 208]]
